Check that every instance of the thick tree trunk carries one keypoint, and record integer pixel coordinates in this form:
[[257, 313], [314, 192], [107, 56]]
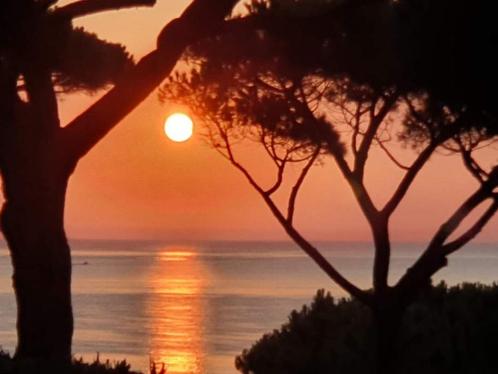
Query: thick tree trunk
[[37, 157], [32, 223]]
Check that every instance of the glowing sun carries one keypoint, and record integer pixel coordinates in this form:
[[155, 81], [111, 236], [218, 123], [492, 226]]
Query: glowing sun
[[178, 127]]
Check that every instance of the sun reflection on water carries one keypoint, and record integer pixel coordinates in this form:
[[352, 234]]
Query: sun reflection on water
[[177, 311]]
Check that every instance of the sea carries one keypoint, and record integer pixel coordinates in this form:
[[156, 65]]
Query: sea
[[196, 306]]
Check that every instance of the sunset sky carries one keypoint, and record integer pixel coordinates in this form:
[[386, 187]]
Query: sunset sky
[[138, 184]]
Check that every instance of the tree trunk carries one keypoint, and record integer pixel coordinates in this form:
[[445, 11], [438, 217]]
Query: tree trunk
[[32, 223], [388, 316]]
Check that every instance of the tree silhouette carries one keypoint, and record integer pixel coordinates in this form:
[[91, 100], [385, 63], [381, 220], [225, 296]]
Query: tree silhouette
[[42, 55], [317, 88]]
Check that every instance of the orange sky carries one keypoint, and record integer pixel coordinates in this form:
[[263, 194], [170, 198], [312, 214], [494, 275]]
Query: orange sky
[[137, 184]]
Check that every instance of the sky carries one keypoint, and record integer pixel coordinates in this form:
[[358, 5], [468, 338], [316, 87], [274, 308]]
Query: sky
[[136, 184]]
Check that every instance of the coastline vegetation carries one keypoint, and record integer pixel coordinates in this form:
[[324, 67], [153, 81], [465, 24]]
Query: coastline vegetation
[[447, 330], [9, 366]]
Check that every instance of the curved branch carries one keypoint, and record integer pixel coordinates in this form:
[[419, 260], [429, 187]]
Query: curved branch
[[278, 182], [375, 122], [86, 130], [322, 262], [483, 193], [356, 129], [473, 231], [361, 194], [408, 179], [359, 191], [86, 7], [471, 164], [201, 18], [316, 256], [309, 249], [391, 156], [297, 186], [434, 257]]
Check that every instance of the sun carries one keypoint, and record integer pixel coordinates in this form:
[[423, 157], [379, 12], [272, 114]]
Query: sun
[[179, 127]]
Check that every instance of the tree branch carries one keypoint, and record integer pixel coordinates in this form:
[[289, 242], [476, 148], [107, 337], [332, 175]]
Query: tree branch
[[434, 257], [270, 149], [359, 191], [390, 155], [471, 164], [278, 182], [356, 128], [201, 18], [408, 179], [432, 260], [309, 249], [473, 231], [315, 255], [297, 186], [318, 258], [459, 215], [86, 7], [244, 171], [357, 186], [375, 121]]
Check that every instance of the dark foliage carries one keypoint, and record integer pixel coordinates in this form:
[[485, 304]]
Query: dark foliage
[[89, 63], [324, 337], [98, 367], [448, 330], [78, 60], [443, 49], [7, 366]]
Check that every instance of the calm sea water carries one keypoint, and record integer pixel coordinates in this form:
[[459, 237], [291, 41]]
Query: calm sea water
[[196, 306]]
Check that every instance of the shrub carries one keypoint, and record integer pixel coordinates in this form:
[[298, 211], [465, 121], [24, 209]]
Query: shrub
[[448, 330], [9, 366]]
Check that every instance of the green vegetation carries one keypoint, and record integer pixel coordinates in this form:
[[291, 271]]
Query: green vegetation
[[448, 330]]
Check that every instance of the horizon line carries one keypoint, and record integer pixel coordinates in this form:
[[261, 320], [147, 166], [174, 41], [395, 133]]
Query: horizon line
[[222, 240]]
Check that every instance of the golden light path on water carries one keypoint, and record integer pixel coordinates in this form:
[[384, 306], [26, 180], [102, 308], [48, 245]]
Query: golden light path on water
[[176, 312]]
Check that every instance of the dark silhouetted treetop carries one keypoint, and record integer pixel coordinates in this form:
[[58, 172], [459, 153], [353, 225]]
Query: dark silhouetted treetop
[[88, 63], [78, 60], [443, 48], [309, 86]]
